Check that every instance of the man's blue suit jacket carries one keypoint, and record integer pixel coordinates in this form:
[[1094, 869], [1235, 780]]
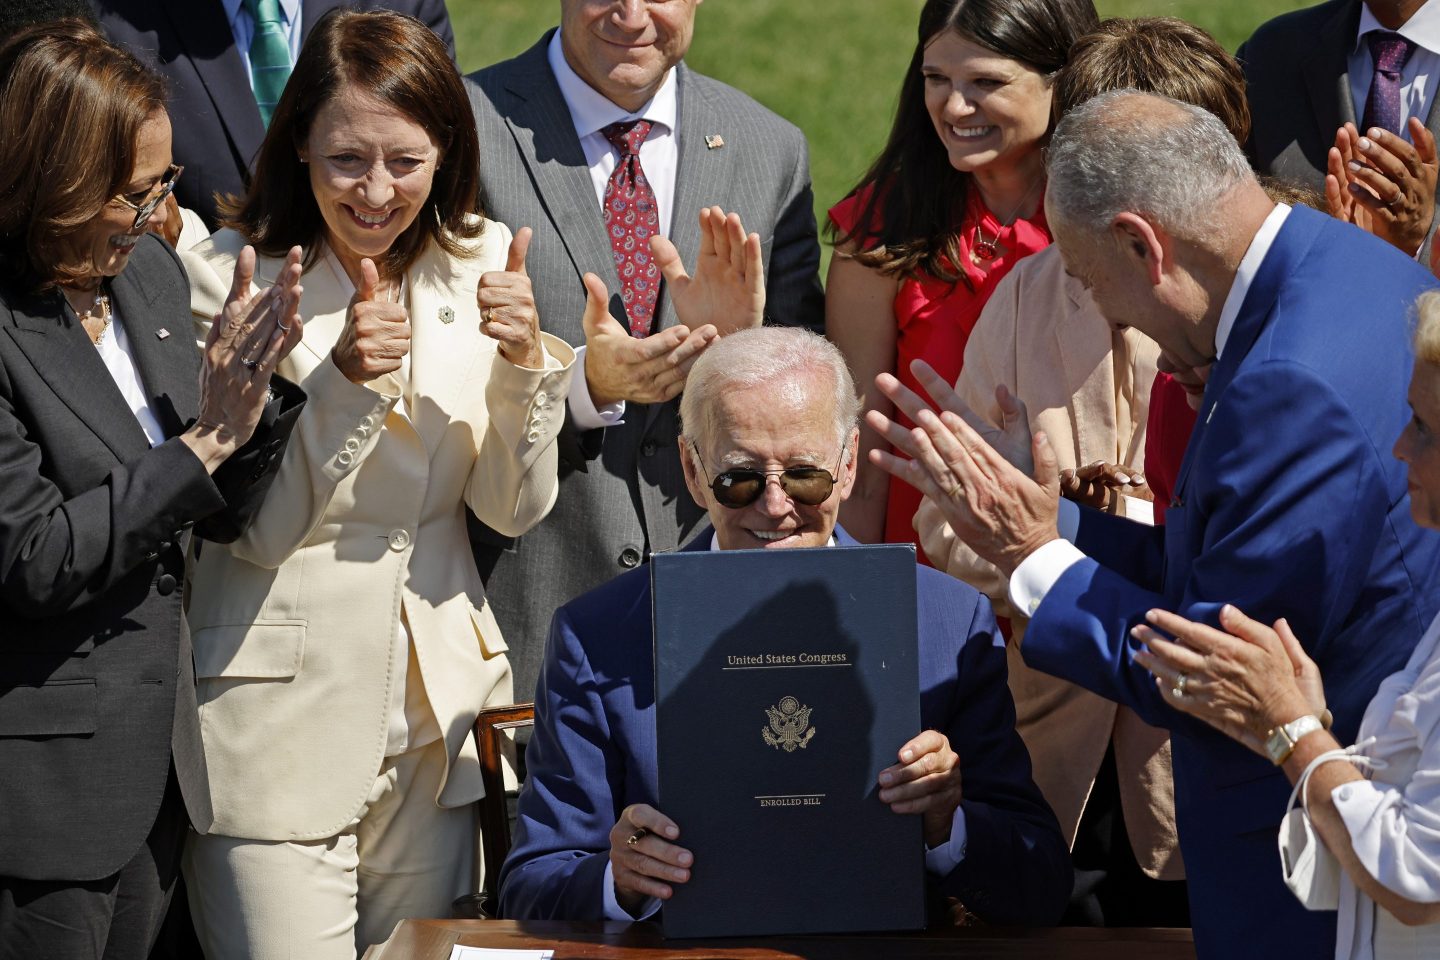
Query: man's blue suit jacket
[[1289, 504], [593, 754]]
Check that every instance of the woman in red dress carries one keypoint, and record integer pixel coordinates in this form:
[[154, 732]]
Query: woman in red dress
[[953, 201]]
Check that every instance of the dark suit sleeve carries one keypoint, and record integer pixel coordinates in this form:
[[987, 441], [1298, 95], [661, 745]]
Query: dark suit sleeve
[[1016, 869], [245, 477], [1135, 551], [1284, 523], [793, 296], [59, 554], [569, 801]]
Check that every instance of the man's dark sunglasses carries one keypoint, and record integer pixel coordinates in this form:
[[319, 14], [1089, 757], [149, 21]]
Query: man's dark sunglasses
[[810, 486]]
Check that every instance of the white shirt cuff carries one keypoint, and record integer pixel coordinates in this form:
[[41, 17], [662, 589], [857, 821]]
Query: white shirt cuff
[[1136, 509], [613, 910], [582, 408], [1038, 572], [946, 857]]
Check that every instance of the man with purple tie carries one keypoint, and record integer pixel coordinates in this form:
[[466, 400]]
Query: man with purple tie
[[1343, 99]]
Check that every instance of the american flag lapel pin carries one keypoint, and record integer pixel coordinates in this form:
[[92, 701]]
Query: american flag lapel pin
[[713, 141], [161, 334]]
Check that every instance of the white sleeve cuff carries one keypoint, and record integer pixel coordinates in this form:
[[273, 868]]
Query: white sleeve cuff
[[613, 910], [582, 408], [946, 857], [1067, 522], [1038, 572], [1136, 509]]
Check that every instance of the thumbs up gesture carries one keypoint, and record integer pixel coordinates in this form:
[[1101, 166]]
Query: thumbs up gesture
[[621, 367], [377, 330], [507, 307]]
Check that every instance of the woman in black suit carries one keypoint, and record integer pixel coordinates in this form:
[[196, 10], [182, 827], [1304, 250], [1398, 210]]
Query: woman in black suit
[[116, 439]]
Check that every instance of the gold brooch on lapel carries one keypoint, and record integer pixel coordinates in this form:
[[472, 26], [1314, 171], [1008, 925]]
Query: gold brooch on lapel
[[713, 141], [161, 334], [447, 315]]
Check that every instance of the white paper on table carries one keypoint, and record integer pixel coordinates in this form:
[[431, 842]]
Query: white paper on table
[[498, 953]]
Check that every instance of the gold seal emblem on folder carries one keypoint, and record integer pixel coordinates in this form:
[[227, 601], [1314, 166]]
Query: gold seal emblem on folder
[[789, 725]]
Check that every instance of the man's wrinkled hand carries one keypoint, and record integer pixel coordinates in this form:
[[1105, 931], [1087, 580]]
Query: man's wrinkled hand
[[645, 861], [621, 367], [1001, 512], [925, 781]]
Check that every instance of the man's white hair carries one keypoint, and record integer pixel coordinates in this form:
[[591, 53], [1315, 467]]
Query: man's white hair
[[1124, 150], [764, 355]]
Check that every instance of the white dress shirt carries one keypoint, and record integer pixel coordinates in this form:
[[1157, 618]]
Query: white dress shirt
[[938, 860], [1038, 572], [242, 27], [115, 351], [591, 112], [1417, 77]]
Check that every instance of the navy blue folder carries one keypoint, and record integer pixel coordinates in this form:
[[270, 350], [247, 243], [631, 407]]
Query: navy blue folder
[[785, 681]]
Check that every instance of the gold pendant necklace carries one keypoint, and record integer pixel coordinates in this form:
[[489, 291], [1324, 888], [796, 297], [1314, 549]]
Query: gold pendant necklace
[[982, 251]]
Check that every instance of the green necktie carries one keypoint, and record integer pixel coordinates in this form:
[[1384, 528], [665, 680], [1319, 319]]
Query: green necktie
[[269, 55]]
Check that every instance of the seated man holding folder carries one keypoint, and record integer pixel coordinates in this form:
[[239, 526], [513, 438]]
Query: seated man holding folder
[[765, 412]]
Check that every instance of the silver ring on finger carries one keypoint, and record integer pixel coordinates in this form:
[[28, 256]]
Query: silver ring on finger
[[1393, 201], [1179, 689], [251, 365]]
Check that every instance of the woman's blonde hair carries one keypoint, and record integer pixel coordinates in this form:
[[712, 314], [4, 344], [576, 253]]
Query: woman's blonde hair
[[1427, 327]]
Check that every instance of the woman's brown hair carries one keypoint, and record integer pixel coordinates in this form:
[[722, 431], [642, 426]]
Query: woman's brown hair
[[910, 223], [397, 60], [1163, 55], [71, 108]]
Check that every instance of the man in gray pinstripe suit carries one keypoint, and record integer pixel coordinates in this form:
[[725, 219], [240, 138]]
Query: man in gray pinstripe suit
[[544, 164]]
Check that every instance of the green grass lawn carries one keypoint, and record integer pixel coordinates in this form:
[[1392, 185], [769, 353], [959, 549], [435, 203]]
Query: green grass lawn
[[832, 67]]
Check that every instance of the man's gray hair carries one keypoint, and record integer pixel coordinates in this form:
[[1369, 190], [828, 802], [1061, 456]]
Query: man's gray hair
[[1124, 150], [762, 355]]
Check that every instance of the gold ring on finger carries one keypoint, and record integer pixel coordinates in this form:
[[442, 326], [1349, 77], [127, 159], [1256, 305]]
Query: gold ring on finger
[[637, 836], [956, 491], [487, 315]]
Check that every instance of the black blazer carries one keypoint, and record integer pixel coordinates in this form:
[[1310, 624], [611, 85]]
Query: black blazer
[[96, 677], [217, 125]]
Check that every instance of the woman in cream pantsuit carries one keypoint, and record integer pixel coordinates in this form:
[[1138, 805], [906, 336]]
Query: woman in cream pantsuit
[[344, 645]]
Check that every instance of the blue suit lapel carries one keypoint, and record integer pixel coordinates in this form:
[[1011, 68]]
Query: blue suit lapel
[[1291, 246]]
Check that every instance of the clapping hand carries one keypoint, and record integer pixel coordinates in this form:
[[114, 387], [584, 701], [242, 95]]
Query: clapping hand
[[1384, 185], [728, 288], [1098, 484], [376, 337], [925, 781], [249, 336], [644, 858], [621, 367], [507, 307], [978, 476]]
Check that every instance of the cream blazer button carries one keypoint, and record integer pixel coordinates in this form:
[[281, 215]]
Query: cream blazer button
[[399, 540]]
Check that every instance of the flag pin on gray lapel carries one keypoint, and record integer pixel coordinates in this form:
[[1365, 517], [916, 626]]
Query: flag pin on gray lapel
[[447, 315], [162, 333], [713, 141]]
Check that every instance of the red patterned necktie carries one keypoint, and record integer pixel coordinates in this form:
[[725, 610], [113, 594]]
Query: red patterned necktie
[[631, 219], [1382, 106]]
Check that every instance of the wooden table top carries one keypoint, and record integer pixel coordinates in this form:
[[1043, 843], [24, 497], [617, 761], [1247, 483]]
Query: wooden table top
[[433, 940]]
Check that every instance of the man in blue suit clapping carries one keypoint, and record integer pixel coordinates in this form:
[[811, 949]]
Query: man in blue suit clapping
[[1287, 504], [767, 414]]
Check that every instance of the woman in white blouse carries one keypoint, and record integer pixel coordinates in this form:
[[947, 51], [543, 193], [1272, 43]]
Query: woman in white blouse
[[1374, 805]]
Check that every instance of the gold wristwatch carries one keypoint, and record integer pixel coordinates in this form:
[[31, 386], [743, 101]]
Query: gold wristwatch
[[1280, 741]]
